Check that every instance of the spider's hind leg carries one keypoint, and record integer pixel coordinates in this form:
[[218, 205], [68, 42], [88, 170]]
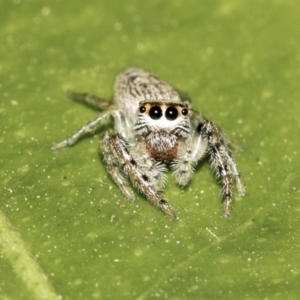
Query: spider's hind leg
[[88, 99], [89, 127]]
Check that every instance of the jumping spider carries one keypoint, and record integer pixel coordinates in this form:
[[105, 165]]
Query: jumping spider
[[155, 128]]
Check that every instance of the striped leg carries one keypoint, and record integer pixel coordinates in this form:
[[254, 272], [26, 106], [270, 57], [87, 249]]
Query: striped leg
[[222, 163], [88, 99], [90, 127], [119, 160]]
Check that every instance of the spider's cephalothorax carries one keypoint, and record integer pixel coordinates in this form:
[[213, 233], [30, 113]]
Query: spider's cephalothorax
[[161, 125], [154, 129]]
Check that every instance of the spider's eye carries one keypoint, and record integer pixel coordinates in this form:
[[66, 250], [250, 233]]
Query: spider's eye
[[184, 112], [142, 109], [171, 113], [155, 112]]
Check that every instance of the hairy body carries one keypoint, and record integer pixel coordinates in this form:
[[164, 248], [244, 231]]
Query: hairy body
[[155, 128]]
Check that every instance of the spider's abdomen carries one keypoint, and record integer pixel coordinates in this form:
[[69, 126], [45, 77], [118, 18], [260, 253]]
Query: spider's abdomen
[[162, 145]]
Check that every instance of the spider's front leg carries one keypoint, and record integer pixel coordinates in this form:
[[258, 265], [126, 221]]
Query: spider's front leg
[[120, 164], [222, 163]]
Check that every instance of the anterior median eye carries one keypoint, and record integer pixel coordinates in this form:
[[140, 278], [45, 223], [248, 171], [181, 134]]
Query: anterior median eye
[[171, 113], [155, 112]]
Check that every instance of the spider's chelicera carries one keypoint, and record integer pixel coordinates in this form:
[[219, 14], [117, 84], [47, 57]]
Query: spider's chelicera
[[155, 129]]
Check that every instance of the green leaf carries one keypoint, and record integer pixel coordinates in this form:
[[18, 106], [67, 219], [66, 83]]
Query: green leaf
[[66, 231]]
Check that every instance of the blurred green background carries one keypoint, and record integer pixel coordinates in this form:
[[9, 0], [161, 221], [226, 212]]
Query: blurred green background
[[66, 231]]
